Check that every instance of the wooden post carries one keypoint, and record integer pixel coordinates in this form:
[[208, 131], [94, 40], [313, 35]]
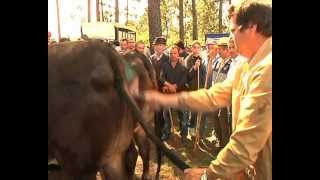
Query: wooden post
[[220, 16], [127, 12], [58, 18], [117, 11], [102, 18], [89, 10], [97, 10]]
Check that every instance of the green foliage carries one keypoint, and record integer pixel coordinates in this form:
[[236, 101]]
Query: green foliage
[[143, 28], [169, 20], [207, 14], [208, 18]]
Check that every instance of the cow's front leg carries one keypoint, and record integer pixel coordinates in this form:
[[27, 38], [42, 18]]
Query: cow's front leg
[[143, 144], [131, 159]]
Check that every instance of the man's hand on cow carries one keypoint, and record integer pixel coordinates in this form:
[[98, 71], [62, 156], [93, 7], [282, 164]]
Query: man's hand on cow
[[152, 97], [157, 99]]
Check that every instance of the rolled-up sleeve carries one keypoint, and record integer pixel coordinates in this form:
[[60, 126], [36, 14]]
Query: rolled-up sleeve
[[205, 100]]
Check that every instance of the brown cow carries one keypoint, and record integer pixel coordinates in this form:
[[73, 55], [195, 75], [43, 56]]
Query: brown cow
[[90, 124]]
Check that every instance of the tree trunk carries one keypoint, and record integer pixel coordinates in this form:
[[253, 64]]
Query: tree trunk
[[102, 17], [116, 11], [154, 20], [194, 21], [89, 10], [127, 12], [97, 10], [58, 19], [181, 24], [220, 16]]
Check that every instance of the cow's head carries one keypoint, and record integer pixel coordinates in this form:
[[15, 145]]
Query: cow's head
[[140, 76], [144, 74]]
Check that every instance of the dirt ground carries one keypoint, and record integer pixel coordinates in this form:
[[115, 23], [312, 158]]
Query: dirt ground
[[195, 158]]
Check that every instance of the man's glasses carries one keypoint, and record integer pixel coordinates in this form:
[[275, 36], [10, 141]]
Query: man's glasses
[[233, 31]]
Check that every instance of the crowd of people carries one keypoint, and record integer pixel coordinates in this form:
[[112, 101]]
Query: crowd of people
[[178, 71]]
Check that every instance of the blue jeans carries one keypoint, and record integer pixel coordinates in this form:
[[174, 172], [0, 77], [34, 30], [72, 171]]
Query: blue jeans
[[182, 115]]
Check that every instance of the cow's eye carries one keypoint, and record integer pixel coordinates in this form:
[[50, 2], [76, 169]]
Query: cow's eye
[[102, 78]]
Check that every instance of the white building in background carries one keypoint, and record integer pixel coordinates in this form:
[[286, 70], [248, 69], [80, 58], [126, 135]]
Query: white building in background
[[72, 13]]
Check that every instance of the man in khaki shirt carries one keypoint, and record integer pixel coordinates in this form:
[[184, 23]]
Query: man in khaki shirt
[[249, 91]]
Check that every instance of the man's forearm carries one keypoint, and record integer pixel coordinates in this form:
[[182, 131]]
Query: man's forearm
[[168, 100]]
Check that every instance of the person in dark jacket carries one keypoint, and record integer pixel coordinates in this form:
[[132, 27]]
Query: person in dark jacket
[[158, 59], [195, 77], [173, 77]]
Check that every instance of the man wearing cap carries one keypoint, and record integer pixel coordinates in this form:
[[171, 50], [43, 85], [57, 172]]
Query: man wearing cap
[[210, 45], [220, 69], [221, 66], [195, 77], [209, 56], [158, 60]]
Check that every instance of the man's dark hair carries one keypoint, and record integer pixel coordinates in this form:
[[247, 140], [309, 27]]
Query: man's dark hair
[[124, 39], [180, 44], [250, 14], [116, 43]]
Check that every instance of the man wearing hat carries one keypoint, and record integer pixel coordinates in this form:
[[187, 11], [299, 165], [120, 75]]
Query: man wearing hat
[[158, 60], [209, 56], [220, 70], [210, 45], [221, 66]]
